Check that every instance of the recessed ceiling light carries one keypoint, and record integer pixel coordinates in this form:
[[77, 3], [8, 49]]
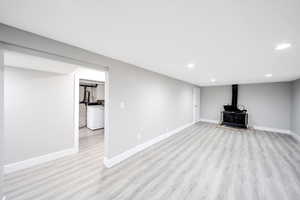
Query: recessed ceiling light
[[213, 80], [282, 46], [268, 75], [191, 66]]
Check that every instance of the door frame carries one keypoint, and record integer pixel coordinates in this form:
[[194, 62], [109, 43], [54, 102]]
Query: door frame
[[1, 120], [196, 105]]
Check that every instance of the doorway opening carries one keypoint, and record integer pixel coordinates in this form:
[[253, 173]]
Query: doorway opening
[[90, 112], [91, 108]]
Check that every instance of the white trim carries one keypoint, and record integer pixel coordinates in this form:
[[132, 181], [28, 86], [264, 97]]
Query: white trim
[[9, 168], [76, 111], [261, 128], [274, 130], [296, 136], [209, 121], [197, 121], [196, 104], [123, 156], [106, 113]]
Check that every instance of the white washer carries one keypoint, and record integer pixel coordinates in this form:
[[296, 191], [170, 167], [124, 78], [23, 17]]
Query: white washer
[[95, 117]]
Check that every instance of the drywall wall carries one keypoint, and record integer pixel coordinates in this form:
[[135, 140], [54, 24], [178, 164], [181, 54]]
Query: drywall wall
[[153, 105], [100, 91], [1, 121], [38, 113], [295, 114], [19, 40], [212, 100], [142, 91], [268, 103]]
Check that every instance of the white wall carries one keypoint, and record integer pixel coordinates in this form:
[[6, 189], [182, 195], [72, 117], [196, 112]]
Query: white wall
[[212, 100], [1, 121], [154, 104], [38, 113], [268, 103], [295, 115]]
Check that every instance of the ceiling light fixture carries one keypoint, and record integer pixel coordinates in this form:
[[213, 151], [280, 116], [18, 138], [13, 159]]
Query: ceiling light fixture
[[191, 66], [282, 46], [268, 75]]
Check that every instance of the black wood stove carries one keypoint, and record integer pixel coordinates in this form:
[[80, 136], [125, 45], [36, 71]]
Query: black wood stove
[[232, 115]]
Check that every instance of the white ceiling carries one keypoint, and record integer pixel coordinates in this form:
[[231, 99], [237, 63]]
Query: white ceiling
[[231, 41]]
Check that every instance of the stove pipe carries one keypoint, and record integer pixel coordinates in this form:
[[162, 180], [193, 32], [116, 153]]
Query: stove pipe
[[234, 101]]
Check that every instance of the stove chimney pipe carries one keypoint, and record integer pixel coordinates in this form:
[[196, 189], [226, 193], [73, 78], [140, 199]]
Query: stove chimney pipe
[[234, 102]]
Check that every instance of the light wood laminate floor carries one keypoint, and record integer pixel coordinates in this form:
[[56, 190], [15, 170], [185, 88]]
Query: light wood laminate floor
[[204, 161], [86, 132]]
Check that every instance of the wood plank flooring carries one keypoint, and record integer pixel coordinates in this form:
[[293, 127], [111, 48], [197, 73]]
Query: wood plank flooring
[[86, 132], [203, 162]]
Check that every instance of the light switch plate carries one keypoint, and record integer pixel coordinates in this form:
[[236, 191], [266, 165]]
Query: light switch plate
[[122, 105]]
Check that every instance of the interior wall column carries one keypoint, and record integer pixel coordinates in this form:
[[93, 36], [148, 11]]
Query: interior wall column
[[1, 119]]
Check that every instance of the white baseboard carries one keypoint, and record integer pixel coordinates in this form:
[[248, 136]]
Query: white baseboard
[[9, 168], [209, 121], [274, 130], [296, 136], [261, 128], [123, 156]]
